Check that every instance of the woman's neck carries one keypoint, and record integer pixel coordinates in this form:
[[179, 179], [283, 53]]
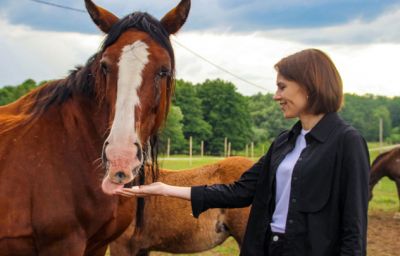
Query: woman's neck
[[308, 121]]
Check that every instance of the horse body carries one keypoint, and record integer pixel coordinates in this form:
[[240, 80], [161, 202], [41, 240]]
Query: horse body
[[55, 197], [170, 227], [386, 164], [58, 210]]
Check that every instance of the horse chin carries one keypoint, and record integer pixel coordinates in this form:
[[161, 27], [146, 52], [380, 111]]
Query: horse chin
[[109, 187]]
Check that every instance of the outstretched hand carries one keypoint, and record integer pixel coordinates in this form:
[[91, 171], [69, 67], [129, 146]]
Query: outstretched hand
[[153, 189]]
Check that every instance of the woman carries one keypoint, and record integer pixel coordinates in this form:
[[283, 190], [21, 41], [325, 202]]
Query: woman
[[309, 193]]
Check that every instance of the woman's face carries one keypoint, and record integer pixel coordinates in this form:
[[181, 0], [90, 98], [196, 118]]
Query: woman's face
[[291, 97]]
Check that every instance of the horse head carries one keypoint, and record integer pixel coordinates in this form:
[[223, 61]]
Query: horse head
[[136, 73]]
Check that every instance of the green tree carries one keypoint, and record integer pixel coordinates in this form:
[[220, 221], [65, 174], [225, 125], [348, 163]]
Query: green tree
[[268, 117], [227, 112], [193, 119], [9, 94], [173, 131]]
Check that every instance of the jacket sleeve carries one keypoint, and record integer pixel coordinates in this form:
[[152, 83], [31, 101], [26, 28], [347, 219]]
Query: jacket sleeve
[[235, 195], [354, 195]]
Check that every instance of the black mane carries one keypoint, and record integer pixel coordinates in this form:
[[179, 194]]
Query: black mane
[[379, 157]]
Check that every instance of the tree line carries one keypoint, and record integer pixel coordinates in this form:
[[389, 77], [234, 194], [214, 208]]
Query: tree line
[[214, 110]]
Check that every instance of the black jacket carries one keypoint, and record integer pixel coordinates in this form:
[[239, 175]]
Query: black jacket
[[329, 193]]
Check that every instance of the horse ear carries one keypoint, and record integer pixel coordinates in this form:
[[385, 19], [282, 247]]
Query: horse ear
[[175, 18], [103, 18]]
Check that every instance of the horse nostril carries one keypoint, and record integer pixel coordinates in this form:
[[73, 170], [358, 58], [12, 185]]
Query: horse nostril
[[120, 175]]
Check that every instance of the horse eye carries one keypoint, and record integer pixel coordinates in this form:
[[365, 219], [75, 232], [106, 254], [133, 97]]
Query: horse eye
[[164, 72], [104, 68]]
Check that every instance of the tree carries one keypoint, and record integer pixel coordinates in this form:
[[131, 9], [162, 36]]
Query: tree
[[268, 117], [193, 119], [9, 94], [227, 112], [173, 131]]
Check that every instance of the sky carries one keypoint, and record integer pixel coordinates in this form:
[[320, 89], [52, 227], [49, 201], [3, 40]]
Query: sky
[[235, 40]]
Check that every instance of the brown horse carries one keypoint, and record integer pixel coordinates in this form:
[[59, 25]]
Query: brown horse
[[386, 164], [55, 199], [170, 227]]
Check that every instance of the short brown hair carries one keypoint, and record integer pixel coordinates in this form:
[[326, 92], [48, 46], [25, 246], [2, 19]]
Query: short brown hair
[[316, 73]]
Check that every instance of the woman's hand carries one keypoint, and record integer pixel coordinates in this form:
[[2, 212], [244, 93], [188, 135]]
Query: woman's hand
[[153, 189], [156, 189]]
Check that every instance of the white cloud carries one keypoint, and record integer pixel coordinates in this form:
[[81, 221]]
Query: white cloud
[[369, 68], [41, 55], [384, 29], [365, 68]]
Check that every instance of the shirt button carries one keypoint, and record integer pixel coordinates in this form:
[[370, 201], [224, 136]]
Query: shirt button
[[290, 221], [275, 238], [294, 200], [294, 177], [300, 158]]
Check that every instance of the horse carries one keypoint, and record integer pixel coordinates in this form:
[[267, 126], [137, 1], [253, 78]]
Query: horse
[[173, 229], [386, 164], [56, 198]]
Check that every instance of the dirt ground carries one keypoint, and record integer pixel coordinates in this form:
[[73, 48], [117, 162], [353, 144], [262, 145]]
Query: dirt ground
[[383, 234]]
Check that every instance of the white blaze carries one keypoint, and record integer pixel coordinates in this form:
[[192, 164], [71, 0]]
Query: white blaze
[[132, 62]]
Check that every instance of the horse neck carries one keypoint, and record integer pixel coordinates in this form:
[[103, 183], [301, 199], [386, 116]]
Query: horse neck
[[378, 171]]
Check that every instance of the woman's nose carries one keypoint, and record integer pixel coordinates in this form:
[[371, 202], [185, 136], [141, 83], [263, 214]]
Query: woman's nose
[[276, 96]]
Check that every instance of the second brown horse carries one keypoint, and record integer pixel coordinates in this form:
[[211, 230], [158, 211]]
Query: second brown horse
[[386, 164], [169, 225]]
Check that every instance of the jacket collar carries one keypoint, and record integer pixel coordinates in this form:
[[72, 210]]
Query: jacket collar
[[321, 130]]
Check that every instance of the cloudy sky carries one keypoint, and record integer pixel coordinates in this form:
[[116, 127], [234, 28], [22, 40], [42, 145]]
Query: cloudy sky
[[236, 40]]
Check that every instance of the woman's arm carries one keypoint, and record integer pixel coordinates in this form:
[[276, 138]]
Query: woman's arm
[[235, 195]]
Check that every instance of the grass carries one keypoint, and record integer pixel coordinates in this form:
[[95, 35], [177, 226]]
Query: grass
[[181, 162]]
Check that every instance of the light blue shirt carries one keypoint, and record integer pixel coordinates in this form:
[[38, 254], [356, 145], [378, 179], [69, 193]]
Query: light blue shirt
[[283, 183]]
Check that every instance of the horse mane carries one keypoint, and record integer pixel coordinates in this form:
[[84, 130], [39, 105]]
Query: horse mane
[[379, 158], [32, 105]]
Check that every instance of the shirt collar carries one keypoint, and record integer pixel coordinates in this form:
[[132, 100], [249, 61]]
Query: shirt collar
[[321, 130]]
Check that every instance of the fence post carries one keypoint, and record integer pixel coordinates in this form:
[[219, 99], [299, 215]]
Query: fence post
[[225, 146], [252, 149], [229, 149], [202, 148], [190, 150], [380, 134], [168, 147]]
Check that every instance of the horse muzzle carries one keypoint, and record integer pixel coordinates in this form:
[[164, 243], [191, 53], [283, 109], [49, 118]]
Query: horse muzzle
[[122, 165]]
